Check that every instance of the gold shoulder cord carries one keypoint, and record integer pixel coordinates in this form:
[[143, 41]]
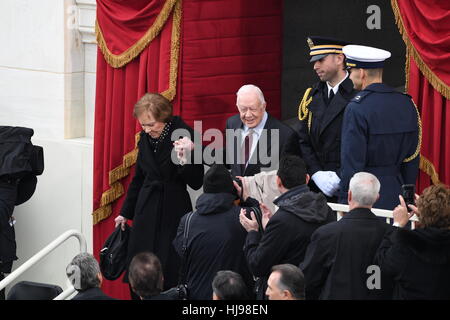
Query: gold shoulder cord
[[303, 111], [419, 143]]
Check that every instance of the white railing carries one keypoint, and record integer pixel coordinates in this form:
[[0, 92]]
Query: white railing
[[42, 254], [378, 212]]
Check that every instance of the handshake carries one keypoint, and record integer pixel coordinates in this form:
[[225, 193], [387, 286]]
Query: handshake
[[183, 148], [327, 181]]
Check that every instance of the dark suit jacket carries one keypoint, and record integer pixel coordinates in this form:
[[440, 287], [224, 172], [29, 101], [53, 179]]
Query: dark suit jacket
[[337, 260], [287, 144], [321, 144], [92, 294]]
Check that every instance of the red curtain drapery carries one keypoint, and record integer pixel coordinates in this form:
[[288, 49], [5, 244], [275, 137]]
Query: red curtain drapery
[[435, 114], [425, 27], [197, 55], [118, 89]]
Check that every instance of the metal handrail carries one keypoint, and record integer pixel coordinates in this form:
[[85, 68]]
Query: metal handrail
[[378, 212], [42, 254], [66, 293]]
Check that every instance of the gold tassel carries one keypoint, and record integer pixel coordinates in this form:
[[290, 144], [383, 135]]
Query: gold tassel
[[112, 194], [116, 188], [117, 174], [437, 83], [117, 61], [427, 167], [101, 214]]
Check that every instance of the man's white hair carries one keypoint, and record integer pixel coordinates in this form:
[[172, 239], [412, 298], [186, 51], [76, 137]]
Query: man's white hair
[[365, 188], [251, 88]]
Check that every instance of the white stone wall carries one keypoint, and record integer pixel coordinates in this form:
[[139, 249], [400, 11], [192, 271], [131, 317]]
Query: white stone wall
[[47, 82]]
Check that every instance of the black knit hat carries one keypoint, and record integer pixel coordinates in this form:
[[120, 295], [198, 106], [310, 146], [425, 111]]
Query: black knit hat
[[218, 180]]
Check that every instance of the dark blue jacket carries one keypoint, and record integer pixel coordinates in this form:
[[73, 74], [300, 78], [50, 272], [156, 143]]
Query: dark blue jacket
[[379, 133], [215, 242]]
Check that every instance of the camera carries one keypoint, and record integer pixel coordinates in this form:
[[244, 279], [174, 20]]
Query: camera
[[408, 191], [258, 215], [180, 292]]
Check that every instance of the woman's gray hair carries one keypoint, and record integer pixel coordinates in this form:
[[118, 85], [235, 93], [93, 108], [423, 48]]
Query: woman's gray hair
[[251, 88], [83, 272], [365, 188]]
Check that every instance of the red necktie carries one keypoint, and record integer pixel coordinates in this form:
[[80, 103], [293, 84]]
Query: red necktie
[[247, 146]]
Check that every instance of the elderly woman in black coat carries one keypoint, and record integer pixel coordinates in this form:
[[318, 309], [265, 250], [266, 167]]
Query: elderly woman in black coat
[[418, 261], [157, 197]]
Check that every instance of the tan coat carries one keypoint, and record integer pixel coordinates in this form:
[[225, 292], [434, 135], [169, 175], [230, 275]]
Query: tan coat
[[263, 187]]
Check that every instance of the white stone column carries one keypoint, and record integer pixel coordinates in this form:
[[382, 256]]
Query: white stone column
[[47, 82]]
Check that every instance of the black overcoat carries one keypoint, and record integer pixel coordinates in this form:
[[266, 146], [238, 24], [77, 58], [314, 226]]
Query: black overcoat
[[320, 143], [156, 200], [8, 192], [339, 255], [418, 261]]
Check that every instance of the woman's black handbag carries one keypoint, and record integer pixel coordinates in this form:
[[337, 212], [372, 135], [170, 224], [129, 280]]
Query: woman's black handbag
[[113, 256]]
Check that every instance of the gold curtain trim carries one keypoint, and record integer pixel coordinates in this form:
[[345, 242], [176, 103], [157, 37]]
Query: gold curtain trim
[[120, 172], [174, 53], [407, 67], [437, 83], [117, 61], [427, 167], [102, 213]]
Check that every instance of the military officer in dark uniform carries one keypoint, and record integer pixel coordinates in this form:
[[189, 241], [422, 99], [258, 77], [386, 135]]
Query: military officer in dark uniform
[[381, 132], [321, 112]]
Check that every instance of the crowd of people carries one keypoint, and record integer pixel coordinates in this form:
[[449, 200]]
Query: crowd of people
[[262, 228], [324, 260]]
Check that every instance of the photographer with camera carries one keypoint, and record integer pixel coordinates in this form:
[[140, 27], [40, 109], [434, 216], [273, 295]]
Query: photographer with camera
[[287, 232], [20, 162], [215, 236]]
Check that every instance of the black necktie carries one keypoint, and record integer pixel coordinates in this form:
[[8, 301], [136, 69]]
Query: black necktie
[[330, 97]]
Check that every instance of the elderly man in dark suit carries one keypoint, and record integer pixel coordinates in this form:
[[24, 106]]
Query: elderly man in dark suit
[[338, 264], [255, 139]]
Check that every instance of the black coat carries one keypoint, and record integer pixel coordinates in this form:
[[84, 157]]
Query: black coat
[[8, 192], [380, 132], [92, 294], [156, 200], [336, 262], [288, 232], [215, 242], [321, 144], [419, 263], [288, 144]]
